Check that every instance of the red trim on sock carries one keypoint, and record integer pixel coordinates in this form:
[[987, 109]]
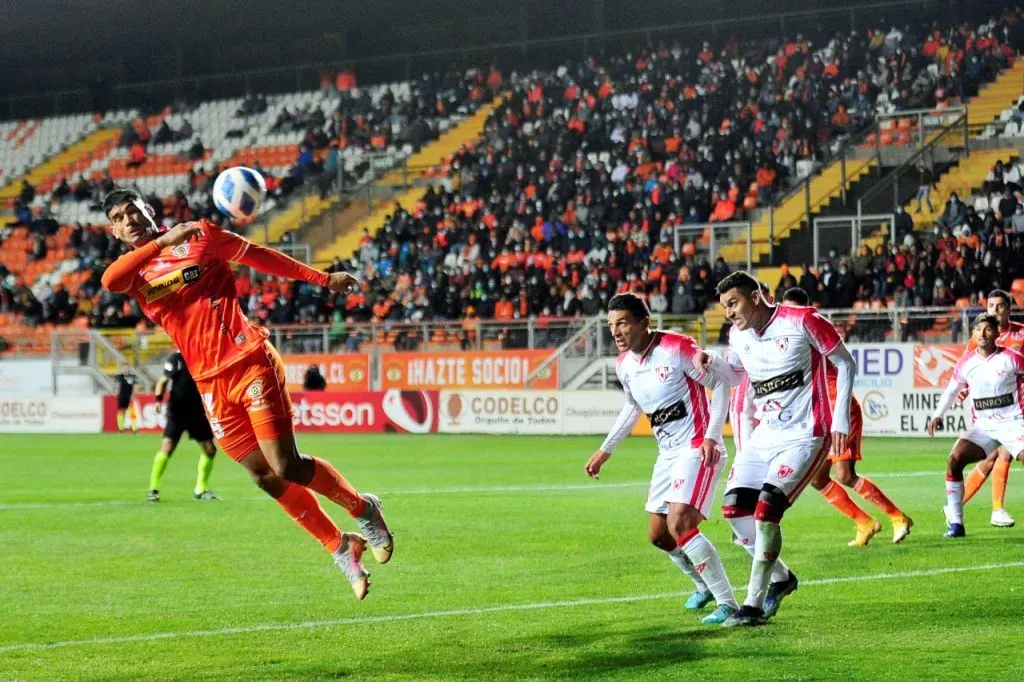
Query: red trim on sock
[[767, 512], [731, 512], [953, 477], [687, 536]]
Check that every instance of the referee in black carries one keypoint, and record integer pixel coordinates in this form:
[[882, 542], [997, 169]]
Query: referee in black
[[184, 413]]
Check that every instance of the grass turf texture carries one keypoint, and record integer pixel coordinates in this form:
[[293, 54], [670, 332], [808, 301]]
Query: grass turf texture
[[509, 564]]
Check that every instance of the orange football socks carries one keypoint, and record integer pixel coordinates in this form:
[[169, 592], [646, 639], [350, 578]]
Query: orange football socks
[[302, 505], [332, 485], [840, 499], [866, 488], [1000, 473]]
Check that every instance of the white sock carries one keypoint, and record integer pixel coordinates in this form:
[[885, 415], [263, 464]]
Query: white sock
[[767, 547], [955, 501], [746, 532], [708, 564], [679, 558]]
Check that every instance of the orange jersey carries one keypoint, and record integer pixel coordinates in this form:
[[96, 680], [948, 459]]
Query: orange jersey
[[189, 290], [1012, 337]]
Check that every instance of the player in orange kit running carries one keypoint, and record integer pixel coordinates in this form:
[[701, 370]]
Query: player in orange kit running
[[1011, 335], [182, 280], [846, 473]]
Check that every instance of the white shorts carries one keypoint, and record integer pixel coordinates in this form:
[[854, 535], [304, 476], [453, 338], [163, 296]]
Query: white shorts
[[679, 477], [788, 465], [989, 436]]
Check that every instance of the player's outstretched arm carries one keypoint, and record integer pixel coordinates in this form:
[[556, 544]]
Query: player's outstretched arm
[[945, 402], [237, 249], [719, 411], [624, 423]]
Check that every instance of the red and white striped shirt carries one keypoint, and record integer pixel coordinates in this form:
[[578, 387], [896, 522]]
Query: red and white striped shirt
[[786, 363], [663, 381]]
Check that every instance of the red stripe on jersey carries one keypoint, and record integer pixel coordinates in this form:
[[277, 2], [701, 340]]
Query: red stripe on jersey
[[699, 402], [819, 395]]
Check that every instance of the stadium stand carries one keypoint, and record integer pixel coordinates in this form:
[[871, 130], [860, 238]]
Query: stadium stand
[[572, 192]]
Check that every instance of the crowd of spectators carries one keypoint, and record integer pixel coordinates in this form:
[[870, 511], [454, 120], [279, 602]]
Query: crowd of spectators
[[583, 175]]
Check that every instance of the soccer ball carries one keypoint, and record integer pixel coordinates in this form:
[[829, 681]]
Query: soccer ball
[[238, 193]]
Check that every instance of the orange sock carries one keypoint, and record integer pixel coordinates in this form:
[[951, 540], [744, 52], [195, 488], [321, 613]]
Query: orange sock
[[871, 492], [301, 505], [1000, 473], [840, 499], [973, 483], [332, 485]]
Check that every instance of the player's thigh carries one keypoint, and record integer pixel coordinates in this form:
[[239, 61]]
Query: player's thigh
[[227, 417], [794, 463], [693, 483], [1009, 435], [266, 400], [979, 436], [748, 470], [659, 487]]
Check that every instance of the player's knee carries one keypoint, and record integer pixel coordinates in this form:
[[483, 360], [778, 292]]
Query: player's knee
[[846, 477], [683, 521], [955, 462], [661, 540], [771, 504], [739, 502]]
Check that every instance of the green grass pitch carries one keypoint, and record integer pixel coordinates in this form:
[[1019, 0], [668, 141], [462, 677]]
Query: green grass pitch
[[509, 565]]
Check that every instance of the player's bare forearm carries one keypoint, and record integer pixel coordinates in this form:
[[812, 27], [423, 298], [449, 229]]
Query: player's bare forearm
[[118, 277], [271, 262]]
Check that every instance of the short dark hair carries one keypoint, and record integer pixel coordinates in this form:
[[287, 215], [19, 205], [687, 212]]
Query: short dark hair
[[121, 195], [986, 318], [632, 304], [798, 296], [999, 293], [738, 280], [765, 289]]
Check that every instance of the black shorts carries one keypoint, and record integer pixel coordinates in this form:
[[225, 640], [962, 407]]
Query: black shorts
[[190, 418], [123, 403]]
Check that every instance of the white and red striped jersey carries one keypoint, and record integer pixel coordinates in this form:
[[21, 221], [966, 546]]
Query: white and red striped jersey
[[785, 362], [664, 384], [741, 413], [994, 385]]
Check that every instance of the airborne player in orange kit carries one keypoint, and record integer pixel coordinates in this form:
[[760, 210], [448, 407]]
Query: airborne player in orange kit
[[182, 280], [1011, 335], [846, 473]]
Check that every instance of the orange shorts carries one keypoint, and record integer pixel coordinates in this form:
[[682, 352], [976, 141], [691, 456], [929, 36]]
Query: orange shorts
[[856, 435], [248, 402]]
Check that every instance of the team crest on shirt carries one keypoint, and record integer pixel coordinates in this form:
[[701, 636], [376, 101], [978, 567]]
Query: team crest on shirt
[[785, 471], [782, 343], [255, 389], [677, 484], [180, 251], [662, 372]]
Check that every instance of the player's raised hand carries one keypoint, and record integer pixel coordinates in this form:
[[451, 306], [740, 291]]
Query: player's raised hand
[[933, 426], [840, 441], [702, 361], [710, 452], [179, 234], [596, 461], [340, 281]]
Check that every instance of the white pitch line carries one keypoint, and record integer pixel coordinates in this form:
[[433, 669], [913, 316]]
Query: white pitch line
[[595, 486], [506, 608]]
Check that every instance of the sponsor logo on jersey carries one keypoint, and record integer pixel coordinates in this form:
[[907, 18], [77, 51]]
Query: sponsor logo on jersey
[[157, 288], [783, 382], [668, 414], [994, 402]]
